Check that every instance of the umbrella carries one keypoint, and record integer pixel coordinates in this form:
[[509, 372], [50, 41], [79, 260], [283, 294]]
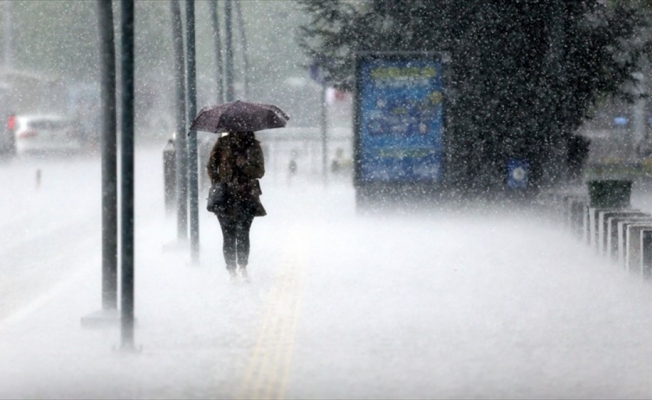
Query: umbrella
[[239, 116]]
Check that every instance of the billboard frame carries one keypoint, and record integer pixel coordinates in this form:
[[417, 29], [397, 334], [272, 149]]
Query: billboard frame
[[372, 188]]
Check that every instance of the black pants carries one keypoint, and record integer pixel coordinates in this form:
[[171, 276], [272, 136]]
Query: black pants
[[235, 233]]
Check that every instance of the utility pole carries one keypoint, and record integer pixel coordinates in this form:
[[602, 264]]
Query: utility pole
[[217, 36], [192, 135], [228, 18], [180, 142], [127, 176]]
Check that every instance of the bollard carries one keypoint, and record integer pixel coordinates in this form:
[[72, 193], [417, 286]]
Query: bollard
[[585, 225], [633, 248], [169, 176], [622, 232], [612, 230], [606, 195], [594, 226], [646, 256], [576, 216], [603, 227]]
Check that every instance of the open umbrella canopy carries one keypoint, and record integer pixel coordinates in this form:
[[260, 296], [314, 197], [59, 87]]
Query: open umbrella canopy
[[239, 116]]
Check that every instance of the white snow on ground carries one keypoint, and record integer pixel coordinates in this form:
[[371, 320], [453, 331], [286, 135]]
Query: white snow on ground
[[438, 303]]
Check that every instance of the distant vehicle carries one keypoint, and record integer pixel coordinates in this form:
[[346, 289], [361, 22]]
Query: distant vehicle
[[46, 133]]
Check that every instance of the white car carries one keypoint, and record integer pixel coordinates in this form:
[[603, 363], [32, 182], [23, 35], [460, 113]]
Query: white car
[[45, 133]]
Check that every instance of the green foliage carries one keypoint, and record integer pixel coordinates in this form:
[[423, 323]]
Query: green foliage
[[523, 74]]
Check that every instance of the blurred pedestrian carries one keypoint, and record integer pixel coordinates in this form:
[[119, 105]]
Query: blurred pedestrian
[[237, 160], [293, 165]]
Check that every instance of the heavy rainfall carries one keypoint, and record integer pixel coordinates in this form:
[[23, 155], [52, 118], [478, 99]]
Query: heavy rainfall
[[459, 205]]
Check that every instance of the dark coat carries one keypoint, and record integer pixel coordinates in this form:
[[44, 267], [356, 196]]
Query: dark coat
[[237, 159]]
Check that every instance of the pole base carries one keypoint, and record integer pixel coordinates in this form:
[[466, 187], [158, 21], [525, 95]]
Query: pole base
[[105, 318], [127, 348], [176, 245]]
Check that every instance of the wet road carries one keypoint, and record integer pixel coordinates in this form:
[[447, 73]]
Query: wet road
[[448, 302]]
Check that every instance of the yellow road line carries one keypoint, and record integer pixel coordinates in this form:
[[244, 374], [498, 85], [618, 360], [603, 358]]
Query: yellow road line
[[271, 360], [287, 362]]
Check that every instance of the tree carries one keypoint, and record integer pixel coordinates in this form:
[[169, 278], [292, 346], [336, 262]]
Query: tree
[[523, 74]]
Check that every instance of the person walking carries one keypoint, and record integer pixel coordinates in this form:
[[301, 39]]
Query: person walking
[[237, 160]]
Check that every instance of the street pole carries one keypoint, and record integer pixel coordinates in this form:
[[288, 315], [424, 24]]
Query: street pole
[[8, 48], [109, 159], [127, 175], [108, 315], [228, 18], [243, 42], [181, 143], [192, 135], [323, 122], [217, 35]]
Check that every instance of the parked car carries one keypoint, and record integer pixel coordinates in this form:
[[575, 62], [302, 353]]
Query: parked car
[[46, 133]]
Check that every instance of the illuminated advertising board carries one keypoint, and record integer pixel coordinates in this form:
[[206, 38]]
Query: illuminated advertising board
[[399, 118]]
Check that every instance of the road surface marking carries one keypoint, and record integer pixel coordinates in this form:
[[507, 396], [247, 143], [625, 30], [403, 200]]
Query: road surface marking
[[35, 304], [271, 360]]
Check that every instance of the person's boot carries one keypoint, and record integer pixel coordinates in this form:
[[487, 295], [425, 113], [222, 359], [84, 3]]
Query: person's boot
[[242, 271], [232, 275]]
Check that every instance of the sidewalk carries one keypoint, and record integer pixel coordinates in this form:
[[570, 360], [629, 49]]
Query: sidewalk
[[437, 304]]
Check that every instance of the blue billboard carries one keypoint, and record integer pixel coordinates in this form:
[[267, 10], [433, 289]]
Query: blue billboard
[[399, 119]]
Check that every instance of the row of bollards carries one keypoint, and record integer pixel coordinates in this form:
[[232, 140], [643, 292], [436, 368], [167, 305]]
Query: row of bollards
[[606, 222]]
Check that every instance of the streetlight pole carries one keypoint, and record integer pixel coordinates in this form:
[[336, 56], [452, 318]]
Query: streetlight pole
[[109, 159], [127, 175], [323, 123], [217, 35], [8, 49], [192, 135], [108, 314], [243, 42], [228, 18], [180, 142]]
